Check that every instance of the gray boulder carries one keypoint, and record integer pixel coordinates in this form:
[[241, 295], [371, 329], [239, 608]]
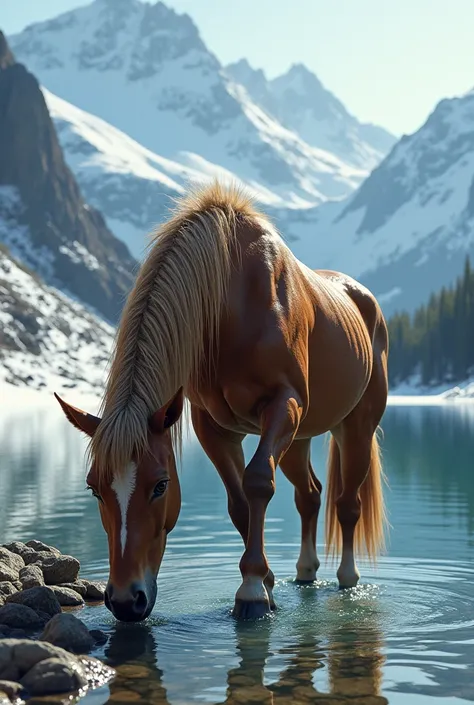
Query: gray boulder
[[12, 560], [95, 590], [68, 632], [12, 690], [45, 669], [19, 548], [40, 546], [31, 576], [58, 569], [7, 588], [77, 586], [38, 598], [53, 675], [20, 617], [67, 597], [7, 574]]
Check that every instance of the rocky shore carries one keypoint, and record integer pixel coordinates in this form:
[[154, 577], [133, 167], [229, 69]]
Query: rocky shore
[[43, 646]]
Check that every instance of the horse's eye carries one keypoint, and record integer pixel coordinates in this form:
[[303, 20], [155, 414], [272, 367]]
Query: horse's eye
[[160, 488], [94, 493]]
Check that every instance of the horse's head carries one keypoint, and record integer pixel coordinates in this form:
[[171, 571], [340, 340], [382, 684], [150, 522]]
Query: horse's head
[[139, 505]]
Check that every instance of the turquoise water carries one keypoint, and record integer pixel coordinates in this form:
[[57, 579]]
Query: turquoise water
[[405, 635]]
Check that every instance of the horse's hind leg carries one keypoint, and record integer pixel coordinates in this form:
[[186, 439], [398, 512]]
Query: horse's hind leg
[[296, 466], [224, 450], [279, 422], [355, 483]]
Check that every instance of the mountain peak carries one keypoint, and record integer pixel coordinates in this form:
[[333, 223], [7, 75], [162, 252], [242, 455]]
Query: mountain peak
[[6, 57], [68, 241], [299, 77], [242, 72]]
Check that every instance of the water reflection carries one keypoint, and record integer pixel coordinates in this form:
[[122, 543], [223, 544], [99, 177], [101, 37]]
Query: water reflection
[[354, 663], [405, 636]]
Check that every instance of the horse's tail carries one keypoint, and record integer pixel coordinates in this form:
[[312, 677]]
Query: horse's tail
[[370, 530]]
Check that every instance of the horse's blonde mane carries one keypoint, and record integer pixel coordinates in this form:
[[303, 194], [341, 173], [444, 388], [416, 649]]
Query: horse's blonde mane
[[172, 311]]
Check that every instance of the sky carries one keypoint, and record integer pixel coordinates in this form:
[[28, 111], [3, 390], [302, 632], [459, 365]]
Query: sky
[[389, 61]]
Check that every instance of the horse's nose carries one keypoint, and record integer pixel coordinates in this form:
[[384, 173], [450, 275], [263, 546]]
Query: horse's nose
[[127, 605]]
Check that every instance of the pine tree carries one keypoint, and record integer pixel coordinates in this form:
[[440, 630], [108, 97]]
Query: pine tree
[[437, 342]]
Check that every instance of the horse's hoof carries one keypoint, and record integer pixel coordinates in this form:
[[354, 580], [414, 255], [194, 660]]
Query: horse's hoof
[[254, 609], [348, 583]]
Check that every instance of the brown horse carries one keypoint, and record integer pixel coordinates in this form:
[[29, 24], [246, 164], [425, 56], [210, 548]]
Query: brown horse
[[224, 314]]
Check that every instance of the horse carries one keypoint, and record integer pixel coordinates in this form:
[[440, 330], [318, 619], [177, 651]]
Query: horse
[[223, 316]]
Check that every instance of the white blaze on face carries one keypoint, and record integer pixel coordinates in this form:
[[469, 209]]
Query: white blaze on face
[[123, 486]]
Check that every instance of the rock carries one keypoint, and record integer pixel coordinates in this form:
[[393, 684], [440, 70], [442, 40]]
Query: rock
[[54, 675], [36, 557], [78, 587], [11, 689], [7, 588], [68, 632], [7, 574], [43, 616], [12, 560], [58, 569], [67, 597], [94, 590], [31, 576], [38, 598], [19, 548], [18, 656], [99, 636], [17, 634], [40, 546], [20, 616]]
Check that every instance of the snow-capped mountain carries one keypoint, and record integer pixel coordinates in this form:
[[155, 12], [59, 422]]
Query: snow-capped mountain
[[45, 222], [407, 230], [300, 102], [145, 70], [130, 185], [55, 250]]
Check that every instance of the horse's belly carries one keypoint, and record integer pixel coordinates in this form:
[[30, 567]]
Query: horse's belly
[[337, 381]]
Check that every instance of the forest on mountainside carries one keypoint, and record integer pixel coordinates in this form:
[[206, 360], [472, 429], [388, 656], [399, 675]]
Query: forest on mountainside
[[437, 341]]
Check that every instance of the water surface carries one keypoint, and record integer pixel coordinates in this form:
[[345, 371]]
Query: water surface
[[405, 635]]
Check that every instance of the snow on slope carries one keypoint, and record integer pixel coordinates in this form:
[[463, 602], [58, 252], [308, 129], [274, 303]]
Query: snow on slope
[[407, 230], [144, 69], [300, 102], [129, 184], [48, 341]]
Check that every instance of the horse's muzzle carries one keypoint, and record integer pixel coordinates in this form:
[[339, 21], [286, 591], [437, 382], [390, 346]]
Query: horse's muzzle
[[130, 605]]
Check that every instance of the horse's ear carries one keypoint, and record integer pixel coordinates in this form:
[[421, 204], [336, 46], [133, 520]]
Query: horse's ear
[[87, 423], [168, 414]]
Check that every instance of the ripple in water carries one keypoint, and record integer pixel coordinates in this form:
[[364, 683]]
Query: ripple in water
[[411, 623], [404, 636]]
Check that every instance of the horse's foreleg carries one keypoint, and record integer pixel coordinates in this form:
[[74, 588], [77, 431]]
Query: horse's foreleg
[[296, 466], [224, 450], [279, 422]]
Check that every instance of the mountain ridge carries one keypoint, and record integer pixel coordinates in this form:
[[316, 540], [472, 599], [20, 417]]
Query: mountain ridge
[[300, 101], [106, 58], [61, 237]]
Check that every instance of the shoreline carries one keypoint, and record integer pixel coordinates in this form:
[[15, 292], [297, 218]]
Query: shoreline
[[19, 398]]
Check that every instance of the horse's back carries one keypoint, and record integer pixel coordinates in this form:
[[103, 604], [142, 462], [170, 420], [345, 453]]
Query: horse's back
[[363, 298]]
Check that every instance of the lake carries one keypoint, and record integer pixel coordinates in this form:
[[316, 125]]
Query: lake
[[405, 635]]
